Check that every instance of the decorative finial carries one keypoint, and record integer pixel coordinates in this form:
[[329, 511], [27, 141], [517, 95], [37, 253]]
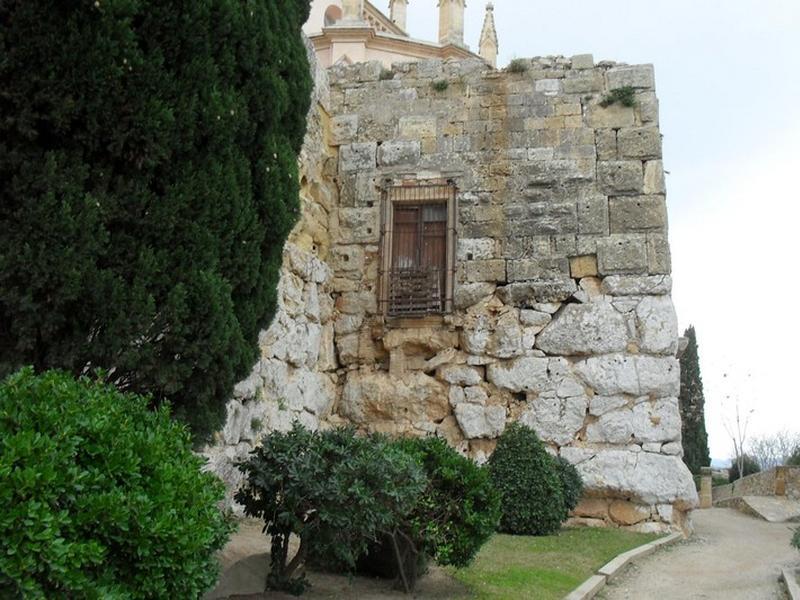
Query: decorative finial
[[489, 44]]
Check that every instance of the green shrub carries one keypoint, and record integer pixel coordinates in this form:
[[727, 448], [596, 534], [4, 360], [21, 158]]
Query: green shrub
[[571, 483], [337, 492], [796, 538], [148, 160], [525, 475], [626, 96], [459, 509], [101, 498], [440, 85], [518, 65], [794, 459], [750, 465]]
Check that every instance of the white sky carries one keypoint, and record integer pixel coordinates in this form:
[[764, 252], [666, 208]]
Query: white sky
[[728, 78]]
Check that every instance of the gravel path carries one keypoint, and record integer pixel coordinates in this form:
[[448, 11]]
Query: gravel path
[[730, 557]]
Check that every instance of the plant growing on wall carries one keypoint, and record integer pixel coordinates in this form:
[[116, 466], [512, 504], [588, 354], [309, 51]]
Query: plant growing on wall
[[148, 154], [625, 96]]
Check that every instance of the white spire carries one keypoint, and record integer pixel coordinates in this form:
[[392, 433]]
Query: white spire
[[398, 9], [489, 44]]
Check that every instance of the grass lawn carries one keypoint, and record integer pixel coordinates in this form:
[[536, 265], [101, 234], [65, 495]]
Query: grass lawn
[[544, 567]]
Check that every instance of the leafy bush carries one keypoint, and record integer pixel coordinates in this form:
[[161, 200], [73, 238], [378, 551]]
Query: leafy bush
[[794, 459], [338, 493], [796, 538], [750, 468], [626, 96], [459, 509], [440, 85], [571, 483], [525, 475], [148, 160], [101, 498]]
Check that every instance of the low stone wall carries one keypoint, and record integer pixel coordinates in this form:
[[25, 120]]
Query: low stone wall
[[780, 481]]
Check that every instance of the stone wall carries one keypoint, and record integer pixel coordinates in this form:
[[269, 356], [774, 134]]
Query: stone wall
[[563, 317], [780, 481], [295, 378], [563, 313]]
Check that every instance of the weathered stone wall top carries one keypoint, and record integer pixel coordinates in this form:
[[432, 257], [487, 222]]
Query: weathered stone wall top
[[546, 173]]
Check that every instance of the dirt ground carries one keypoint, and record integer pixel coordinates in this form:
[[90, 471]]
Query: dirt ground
[[730, 557], [244, 562]]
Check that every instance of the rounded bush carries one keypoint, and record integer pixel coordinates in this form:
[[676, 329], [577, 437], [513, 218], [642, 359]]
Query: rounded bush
[[796, 538], [101, 497], [525, 475], [336, 491], [459, 510], [571, 483]]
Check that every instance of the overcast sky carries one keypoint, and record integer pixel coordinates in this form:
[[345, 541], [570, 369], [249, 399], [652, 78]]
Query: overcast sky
[[728, 78]]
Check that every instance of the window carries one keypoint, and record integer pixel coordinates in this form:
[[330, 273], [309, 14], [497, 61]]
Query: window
[[418, 242]]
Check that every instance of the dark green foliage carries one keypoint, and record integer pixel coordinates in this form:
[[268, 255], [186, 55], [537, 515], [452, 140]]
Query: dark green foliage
[[386, 75], [518, 65], [750, 467], [571, 483], [149, 179], [692, 407], [440, 85], [796, 538], [337, 492], [101, 497], [626, 96], [459, 509], [525, 475], [794, 459]]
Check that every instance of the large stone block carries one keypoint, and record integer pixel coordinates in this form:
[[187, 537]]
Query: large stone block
[[556, 420], [644, 477], [654, 177], [528, 374], [657, 325], [614, 116], [399, 154], [477, 249], [647, 422], [344, 129], [480, 422], [371, 397], [417, 127], [584, 329], [469, 294], [637, 76], [659, 261], [530, 293], [357, 157], [593, 215], [486, 270], [620, 177], [537, 269], [639, 142], [622, 254], [635, 285], [359, 225], [615, 374], [629, 214]]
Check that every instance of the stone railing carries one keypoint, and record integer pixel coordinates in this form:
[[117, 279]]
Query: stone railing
[[780, 481]]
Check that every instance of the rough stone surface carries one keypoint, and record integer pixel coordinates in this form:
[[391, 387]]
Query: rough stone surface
[[561, 311]]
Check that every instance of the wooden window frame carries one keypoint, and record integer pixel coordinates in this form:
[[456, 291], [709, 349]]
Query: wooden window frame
[[416, 192]]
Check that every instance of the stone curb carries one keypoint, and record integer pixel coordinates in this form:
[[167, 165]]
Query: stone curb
[[589, 588], [789, 578]]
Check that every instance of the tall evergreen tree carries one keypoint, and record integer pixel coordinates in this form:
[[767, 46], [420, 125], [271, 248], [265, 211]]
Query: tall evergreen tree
[[692, 404], [148, 160]]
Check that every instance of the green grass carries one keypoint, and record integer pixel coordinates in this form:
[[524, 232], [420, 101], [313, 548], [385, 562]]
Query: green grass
[[544, 567]]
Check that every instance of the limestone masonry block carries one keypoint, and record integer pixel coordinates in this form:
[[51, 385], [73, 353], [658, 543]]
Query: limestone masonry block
[[486, 270], [658, 254], [654, 177], [620, 177], [639, 142], [417, 127], [583, 61], [396, 154], [622, 254], [357, 157], [583, 266], [633, 285], [614, 116], [584, 329], [639, 76], [344, 129], [637, 213]]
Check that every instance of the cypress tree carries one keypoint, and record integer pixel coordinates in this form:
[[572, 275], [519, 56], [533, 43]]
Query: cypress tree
[[148, 160], [692, 405]]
